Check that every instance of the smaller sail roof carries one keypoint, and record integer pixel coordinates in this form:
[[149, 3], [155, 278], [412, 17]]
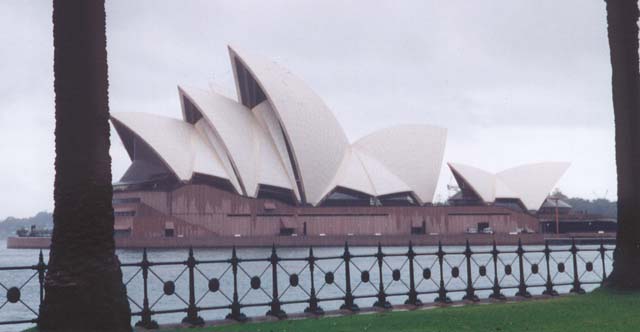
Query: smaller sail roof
[[530, 183], [363, 173], [383, 180], [533, 182], [177, 143], [481, 182], [413, 153]]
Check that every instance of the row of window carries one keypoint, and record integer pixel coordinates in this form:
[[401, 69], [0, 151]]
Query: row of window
[[126, 200], [130, 213]]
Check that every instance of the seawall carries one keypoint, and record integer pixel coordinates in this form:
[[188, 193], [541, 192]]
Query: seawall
[[329, 241]]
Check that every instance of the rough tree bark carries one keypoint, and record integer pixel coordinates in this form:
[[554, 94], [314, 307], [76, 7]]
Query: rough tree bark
[[622, 19], [83, 286]]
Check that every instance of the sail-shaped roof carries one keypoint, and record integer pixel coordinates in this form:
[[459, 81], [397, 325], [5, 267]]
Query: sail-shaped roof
[[246, 142], [316, 141], [414, 153], [178, 144], [530, 183], [281, 134]]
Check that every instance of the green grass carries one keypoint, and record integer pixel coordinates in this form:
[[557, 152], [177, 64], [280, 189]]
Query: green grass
[[602, 310]]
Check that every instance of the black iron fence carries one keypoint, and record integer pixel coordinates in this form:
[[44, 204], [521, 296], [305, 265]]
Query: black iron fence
[[410, 275]]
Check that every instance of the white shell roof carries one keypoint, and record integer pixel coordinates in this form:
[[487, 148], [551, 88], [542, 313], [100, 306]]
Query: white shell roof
[[176, 142], [205, 159], [529, 183], [413, 153], [246, 142], [365, 174], [317, 141], [352, 175], [533, 181], [267, 118], [481, 182], [271, 167], [290, 134], [203, 127], [383, 180], [235, 126]]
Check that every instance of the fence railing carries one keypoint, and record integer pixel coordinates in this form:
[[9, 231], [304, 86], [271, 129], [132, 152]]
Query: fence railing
[[410, 275]]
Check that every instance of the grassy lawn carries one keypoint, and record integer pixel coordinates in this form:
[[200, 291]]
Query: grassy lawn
[[598, 311]]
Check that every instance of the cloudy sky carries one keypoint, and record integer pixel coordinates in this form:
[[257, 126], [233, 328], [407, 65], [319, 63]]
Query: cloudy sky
[[513, 81]]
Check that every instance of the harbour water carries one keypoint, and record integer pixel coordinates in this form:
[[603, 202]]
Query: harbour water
[[27, 280]]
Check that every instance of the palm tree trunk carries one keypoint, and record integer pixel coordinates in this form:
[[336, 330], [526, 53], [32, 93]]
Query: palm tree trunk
[[83, 286], [622, 18]]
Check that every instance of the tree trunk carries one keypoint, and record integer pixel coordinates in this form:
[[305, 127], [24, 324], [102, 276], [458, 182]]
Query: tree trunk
[[622, 18], [83, 286]]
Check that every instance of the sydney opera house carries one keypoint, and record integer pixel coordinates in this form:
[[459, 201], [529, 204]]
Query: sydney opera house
[[276, 163]]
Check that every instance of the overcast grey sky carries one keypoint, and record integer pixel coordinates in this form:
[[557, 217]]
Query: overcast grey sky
[[513, 81]]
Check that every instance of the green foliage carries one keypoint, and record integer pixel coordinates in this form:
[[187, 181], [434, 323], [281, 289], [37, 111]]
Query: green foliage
[[602, 310], [600, 206]]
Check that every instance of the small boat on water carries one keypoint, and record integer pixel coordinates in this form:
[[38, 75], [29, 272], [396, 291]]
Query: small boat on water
[[33, 232]]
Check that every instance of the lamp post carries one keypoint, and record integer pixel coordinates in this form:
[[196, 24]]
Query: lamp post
[[557, 217]]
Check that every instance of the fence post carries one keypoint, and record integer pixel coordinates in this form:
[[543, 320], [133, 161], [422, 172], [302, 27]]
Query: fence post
[[470, 295], [522, 287], [382, 297], [192, 311], [442, 292], [576, 279], [496, 282], [413, 294], [145, 319], [41, 267], [348, 297], [313, 300], [549, 285], [235, 305], [276, 310], [603, 252]]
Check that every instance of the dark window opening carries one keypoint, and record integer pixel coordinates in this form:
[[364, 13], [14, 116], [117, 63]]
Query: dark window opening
[[130, 213], [165, 184], [401, 199], [168, 232], [466, 195], [126, 136], [213, 181], [191, 112], [294, 167], [347, 197], [122, 233], [250, 91], [276, 193], [510, 203], [417, 230], [125, 200], [286, 231], [552, 205], [343, 214], [147, 171], [482, 226], [576, 226]]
